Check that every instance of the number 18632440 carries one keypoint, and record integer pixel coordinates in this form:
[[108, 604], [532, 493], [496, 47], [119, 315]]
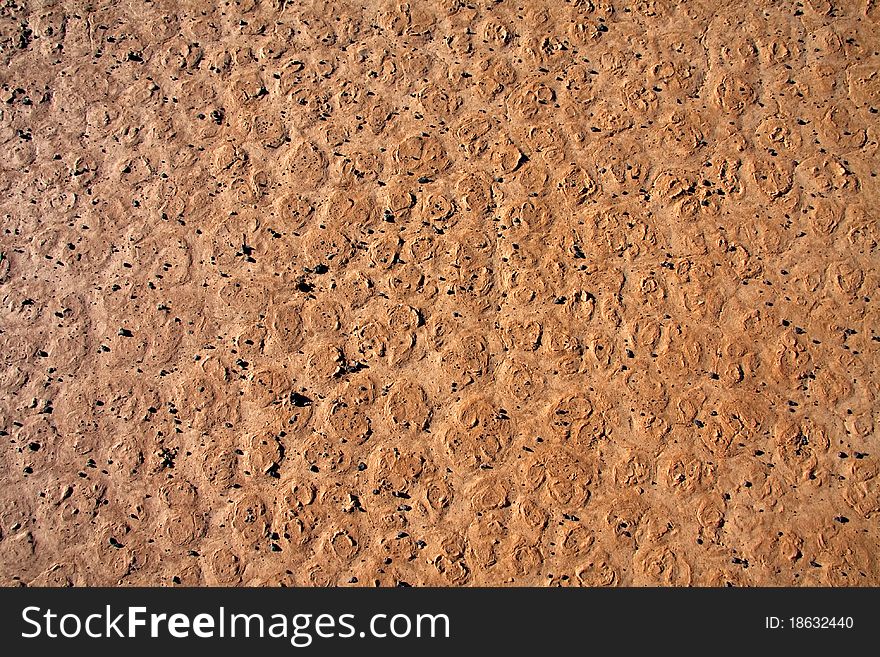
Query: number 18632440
[[809, 622]]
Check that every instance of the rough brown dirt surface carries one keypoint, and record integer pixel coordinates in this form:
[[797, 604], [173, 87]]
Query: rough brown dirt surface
[[439, 293]]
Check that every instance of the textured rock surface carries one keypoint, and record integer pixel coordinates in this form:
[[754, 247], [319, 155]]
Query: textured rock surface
[[545, 293]]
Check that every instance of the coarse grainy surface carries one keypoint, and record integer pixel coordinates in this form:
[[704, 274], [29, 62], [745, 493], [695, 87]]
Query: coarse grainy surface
[[439, 293]]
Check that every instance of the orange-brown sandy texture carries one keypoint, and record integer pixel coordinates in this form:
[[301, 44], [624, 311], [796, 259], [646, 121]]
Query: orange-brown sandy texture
[[509, 293]]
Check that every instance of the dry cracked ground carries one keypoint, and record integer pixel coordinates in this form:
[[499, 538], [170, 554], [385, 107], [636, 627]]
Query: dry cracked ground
[[455, 293]]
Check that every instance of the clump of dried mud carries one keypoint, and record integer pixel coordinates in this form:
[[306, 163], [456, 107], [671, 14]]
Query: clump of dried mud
[[447, 293]]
